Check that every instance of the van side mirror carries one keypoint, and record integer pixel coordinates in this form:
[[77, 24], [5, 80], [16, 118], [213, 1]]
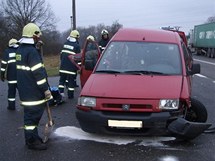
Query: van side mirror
[[195, 69]]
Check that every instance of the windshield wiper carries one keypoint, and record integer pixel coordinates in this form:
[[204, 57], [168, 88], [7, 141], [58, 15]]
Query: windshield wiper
[[145, 72], [108, 71]]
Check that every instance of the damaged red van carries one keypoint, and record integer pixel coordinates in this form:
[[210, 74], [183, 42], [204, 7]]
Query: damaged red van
[[141, 84]]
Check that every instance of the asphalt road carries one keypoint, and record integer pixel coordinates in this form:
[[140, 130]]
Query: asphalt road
[[80, 146]]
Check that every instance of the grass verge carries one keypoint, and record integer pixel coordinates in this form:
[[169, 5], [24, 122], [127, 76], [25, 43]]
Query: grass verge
[[52, 64]]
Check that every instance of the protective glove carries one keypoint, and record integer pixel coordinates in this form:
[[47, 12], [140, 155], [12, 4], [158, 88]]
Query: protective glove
[[2, 77], [48, 94]]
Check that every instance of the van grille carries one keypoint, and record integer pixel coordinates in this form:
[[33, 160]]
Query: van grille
[[132, 106]]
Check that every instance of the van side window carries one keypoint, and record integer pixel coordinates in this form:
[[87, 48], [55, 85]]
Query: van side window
[[187, 57]]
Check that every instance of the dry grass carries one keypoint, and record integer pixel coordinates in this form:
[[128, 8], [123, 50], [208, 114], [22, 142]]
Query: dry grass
[[52, 64]]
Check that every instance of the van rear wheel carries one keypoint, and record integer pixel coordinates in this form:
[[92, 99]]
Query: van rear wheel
[[197, 112]]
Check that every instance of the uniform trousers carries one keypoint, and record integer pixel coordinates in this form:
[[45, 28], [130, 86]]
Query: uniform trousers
[[70, 85], [11, 95], [32, 116]]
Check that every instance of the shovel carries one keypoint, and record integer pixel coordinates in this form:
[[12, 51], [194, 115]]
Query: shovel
[[49, 125]]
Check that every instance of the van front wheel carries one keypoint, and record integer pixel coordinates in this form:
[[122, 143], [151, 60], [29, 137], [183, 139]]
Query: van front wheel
[[197, 112]]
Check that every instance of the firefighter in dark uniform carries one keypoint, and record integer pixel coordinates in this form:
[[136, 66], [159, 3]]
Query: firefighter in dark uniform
[[104, 40], [32, 85], [68, 70], [8, 65], [91, 46]]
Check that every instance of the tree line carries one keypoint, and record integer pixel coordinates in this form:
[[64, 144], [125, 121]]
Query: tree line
[[15, 14]]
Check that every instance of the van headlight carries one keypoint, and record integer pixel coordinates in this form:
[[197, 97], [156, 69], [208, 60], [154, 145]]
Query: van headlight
[[169, 104], [87, 101]]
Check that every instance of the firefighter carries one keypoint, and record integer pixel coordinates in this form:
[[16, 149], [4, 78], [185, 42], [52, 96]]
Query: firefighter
[[91, 38], [32, 85], [91, 45], [104, 39], [91, 50], [68, 70], [8, 65]]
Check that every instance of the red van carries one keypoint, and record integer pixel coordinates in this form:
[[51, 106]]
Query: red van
[[141, 84]]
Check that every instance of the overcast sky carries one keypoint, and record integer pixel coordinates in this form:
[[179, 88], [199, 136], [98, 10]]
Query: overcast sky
[[134, 13]]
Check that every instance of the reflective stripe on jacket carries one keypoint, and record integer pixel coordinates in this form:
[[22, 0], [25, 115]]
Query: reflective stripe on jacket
[[31, 76], [8, 63], [69, 48]]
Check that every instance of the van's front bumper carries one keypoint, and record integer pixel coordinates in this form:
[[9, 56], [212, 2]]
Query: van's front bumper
[[98, 122]]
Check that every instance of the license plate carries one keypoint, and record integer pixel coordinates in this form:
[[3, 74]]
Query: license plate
[[125, 124]]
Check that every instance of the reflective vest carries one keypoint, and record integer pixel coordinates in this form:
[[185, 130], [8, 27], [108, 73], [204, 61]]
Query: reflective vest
[[31, 75], [70, 47], [8, 64]]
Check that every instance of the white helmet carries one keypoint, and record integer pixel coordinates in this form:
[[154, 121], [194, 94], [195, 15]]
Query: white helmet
[[12, 42], [31, 30], [75, 34], [104, 32], [90, 37]]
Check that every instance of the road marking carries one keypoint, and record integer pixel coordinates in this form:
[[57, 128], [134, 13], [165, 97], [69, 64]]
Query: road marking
[[200, 75], [204, 61]]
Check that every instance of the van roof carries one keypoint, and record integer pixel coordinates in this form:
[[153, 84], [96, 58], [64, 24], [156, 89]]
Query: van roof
[[148, 35]]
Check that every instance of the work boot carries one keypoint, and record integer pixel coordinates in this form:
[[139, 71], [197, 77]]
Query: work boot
[[37, 145], [70, 96], [11, 108], [11, 105], [62, 94], [76, 86]]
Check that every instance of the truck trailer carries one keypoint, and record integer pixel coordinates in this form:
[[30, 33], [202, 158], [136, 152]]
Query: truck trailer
[[202, 39]]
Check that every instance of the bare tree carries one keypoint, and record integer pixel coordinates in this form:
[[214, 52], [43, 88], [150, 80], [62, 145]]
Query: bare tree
[[3, 32], [96, 31], [52, 43], [21, 12], [211, 19]]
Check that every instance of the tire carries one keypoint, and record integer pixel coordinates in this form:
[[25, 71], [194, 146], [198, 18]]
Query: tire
[[198, 52], [213, 53], [197, 112], [208, 53]]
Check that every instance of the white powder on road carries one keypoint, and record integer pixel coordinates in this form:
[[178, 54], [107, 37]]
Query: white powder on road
[[168, 158], [75, 133]]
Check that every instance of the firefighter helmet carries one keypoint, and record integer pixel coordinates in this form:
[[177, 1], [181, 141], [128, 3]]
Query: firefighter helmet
[[12, 42], [75, 34], [31, 30], [104, 32], [90, 37]]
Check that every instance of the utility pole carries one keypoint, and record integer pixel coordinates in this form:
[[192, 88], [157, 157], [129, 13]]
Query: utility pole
[[71, 22], [73, 17]]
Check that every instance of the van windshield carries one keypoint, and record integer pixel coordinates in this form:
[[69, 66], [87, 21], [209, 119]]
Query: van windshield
[[140, 57]]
